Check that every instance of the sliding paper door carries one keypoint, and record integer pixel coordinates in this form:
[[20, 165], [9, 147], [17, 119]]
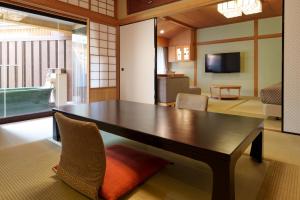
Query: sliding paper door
[[137, 62]]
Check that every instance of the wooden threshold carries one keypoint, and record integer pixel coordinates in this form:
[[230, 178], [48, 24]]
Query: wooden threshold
[[25, 117]]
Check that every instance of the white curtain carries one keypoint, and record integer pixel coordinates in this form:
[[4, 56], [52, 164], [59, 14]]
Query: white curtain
[[161, 60], [79, 57]]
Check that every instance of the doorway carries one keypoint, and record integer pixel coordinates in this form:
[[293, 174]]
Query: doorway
[[43, 63]]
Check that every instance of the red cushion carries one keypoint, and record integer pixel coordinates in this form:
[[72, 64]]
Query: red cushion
[[125, 169]]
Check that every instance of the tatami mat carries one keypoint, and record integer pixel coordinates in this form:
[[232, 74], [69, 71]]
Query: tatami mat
[[282, 181], [26, 174], [251, 108], [244, 107], [216, 105], [25, 164]]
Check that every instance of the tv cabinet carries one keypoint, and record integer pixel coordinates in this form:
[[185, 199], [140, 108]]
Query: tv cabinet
[[219, 89]]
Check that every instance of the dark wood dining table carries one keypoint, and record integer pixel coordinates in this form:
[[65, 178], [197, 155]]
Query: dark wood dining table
[[216, 139]]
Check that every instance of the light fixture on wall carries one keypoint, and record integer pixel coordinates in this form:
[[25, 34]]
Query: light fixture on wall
[[162, 31], [236, 8]]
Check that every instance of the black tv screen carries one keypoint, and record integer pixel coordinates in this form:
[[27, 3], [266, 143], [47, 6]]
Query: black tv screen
[[222, 62]]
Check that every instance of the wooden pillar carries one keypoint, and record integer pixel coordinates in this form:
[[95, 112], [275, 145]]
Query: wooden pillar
[[255, 57], [195, 58]]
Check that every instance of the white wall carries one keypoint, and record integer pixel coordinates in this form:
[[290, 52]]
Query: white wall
[[269, 54], [291, 117], [244, 78]]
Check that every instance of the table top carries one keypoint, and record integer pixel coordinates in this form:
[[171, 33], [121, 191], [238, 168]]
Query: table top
[[163, 126], [226, 86]]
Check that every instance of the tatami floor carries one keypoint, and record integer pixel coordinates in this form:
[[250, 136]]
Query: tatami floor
[[24, 146]]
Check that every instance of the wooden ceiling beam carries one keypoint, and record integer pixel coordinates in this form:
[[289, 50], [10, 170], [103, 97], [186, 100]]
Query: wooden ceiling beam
[[179, 23], [39, 24], [64, 9], [169, 9]]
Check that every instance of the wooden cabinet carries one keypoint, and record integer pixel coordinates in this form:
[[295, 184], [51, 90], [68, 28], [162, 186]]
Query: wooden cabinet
[[134, 6], [182, 47], [180, 53]]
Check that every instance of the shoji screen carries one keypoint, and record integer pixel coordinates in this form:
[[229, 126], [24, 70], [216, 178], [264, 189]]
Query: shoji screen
[[102, 56], [137, 62], [80, 3], [291, 115], [105, 7]]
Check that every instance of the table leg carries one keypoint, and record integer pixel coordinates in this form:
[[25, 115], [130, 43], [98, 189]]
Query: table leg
[[56, 135], [257, 148], [223, 181]]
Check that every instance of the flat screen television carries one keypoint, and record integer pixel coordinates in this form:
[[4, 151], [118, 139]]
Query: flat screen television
[[223, 62]]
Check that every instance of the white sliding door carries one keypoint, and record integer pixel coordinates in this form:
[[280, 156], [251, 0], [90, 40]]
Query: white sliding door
[[291, 115], [137, 62]]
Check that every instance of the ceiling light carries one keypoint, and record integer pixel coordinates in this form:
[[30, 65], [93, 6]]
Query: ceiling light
[[251, 6], [235, 8], [162, 31], [230, 9]]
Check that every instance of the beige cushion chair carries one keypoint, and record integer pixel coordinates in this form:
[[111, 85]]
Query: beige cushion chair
[[95, 171], [82, 161], [192, 102]]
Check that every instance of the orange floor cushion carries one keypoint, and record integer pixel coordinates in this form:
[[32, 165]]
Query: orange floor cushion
[[125, 169]]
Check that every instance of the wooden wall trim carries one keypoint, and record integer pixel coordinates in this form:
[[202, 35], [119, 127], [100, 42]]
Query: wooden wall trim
[[118, 62], [64, 9], [88, 61], [275, 35], [226, 40], [171, 8], [196, 60], [102, 94], [255, 58], [240, 39]]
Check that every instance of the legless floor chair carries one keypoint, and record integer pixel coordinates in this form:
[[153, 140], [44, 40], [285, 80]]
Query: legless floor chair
[[96, 172], [192, 102]]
